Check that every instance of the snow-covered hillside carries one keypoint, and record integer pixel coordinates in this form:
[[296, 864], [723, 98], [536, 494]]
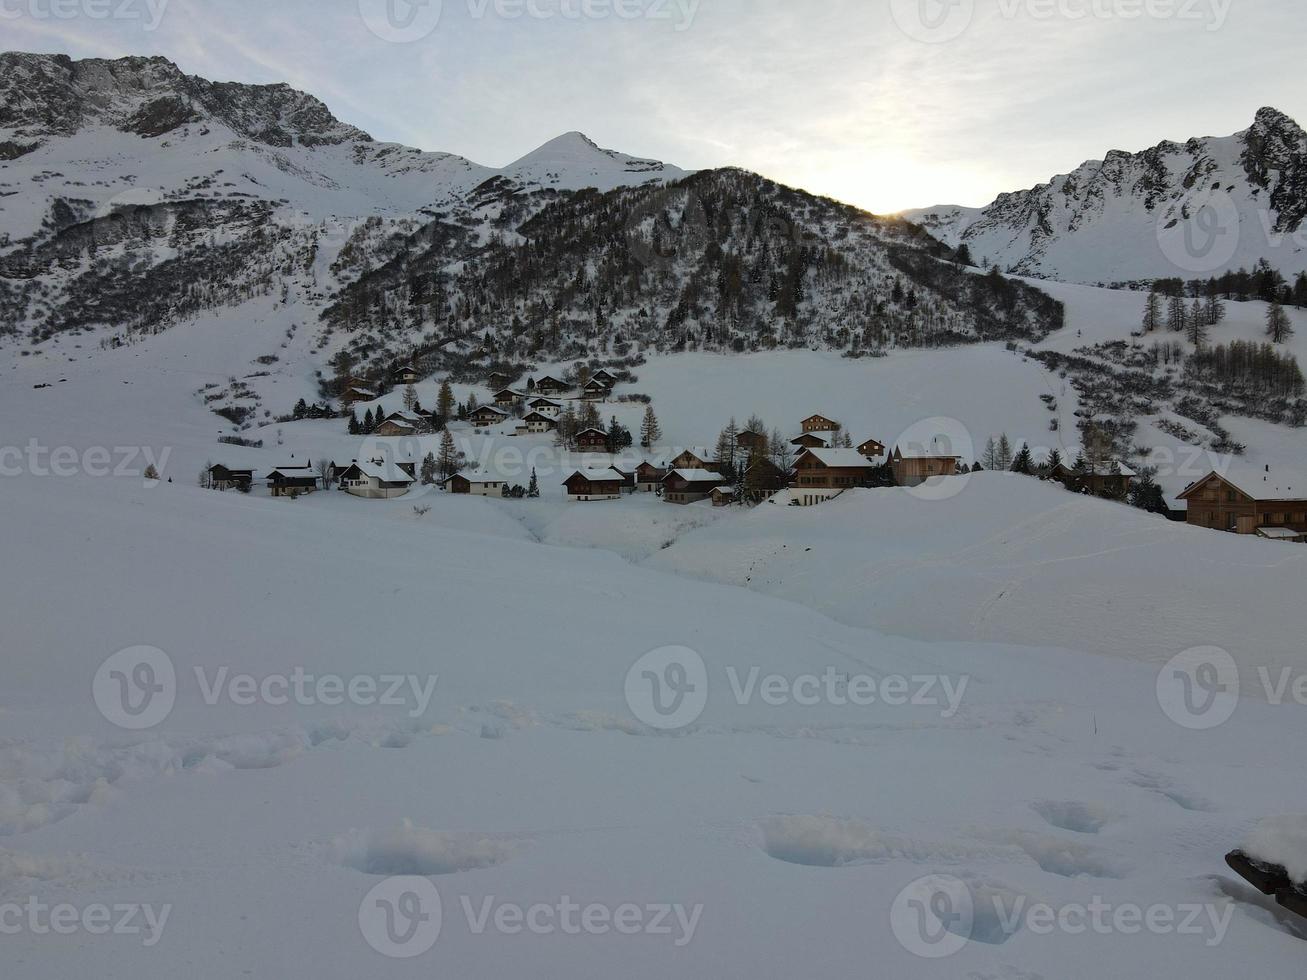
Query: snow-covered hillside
[[1186, 210]]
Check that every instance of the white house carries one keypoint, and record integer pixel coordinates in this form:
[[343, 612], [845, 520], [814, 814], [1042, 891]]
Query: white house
[[376, 479]]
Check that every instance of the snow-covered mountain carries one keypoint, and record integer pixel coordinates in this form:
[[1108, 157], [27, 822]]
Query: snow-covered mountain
[[1187, 210]]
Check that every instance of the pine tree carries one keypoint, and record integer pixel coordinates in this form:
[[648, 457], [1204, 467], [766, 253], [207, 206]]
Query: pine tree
[[1152, 312], [1278, 327], [445, 402], [533, 488], [650, 432], [1003, 459], [1023, 462], [991, 455], [1052, 463], [368, 424], [354, 428], [410, 398], [428, 474], [1147, 495], [450, 460], [1300, 291], [1215, 309]]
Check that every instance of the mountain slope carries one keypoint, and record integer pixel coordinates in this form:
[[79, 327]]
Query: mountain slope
[[1187, 210]]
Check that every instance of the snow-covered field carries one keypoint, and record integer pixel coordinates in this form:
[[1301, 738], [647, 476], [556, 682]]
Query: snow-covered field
[[770, 821]]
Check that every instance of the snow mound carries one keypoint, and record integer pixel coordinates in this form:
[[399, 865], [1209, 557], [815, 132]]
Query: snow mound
[[831, 842], [411, 850], [1283, 841]]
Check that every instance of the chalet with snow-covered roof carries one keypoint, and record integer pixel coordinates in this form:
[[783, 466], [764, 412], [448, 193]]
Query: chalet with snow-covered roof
[[722, 496], [1248, 500], [594, 484], [811, 440], [820, 474], [508, 397], [405, 374], [222, 478], [401, 424], [914, 465], [690, 486], [354, 393], [873, 449], [695, 458], [592, 441], [649, 475], [376, 479], [292, 480], [606, 378], [545, 406], [1109, 478], [819, 423], [595, 390], [549, 385], [488, 415], [537, 423], [483, 482], [751, 441], [498, 380]]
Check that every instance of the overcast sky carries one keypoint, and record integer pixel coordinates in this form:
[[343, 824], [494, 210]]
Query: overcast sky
[[887, 104]]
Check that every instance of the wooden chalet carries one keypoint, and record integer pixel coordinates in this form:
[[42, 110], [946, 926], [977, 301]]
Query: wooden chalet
[[549, 385], [545, 406], [405, 374], [222, 478], [690, 486], [592, 441], [291, 481], [820, 474], [1250, 501], [376, 479], [915, 465], [538, 423], [819, 423], [649, 475], [595, 390], [488, 415], [811, 440], [696, 458], [401, 424], [498, 380], [606, 378], [355, 393], [1108, 479], [508, 397], [722, 496], [752, 440], [595, 484], [873, 449], [480, 483]]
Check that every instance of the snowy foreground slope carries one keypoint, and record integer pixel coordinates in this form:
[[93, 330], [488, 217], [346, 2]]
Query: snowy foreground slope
[[791, 829]]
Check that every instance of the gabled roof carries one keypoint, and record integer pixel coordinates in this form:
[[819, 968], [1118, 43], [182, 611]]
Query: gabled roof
[[609, 475], [510, 391], [292, 472], [810, 435], [592, 429], [1261, 483], [696, 476], [537, 417], [550, 379], [838, 458], [819, 418], [385, 470], [545, 401], [698, 452], [489, 408]]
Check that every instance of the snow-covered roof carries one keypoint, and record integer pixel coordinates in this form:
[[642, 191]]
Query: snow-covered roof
[[489, 408], [596, 475], [697, 476], [1268, 483], [841, 458], [493, 474], [409, 417], [698, 452], [1285, 533], [385, 470], [597, 431]]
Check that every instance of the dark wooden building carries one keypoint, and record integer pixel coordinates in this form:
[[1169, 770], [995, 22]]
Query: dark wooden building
[[1249, 501]]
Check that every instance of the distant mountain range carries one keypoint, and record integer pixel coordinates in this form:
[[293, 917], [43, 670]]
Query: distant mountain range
[[1185, 210]]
